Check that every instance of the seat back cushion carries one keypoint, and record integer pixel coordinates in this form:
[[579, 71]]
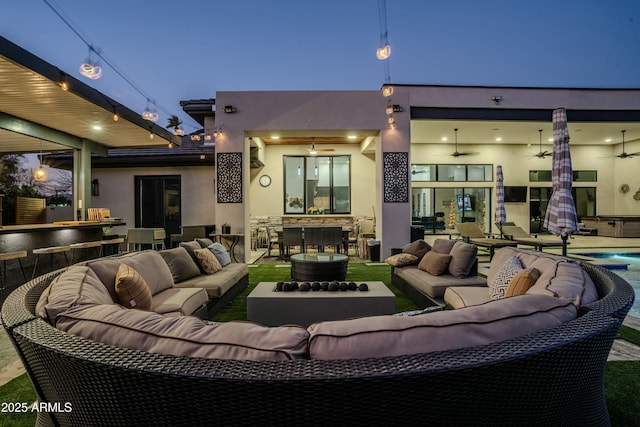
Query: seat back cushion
[[443, 246], [204, 242], [184, 336], [180, 263], [221, 253], [385, 336], [559, 276], [191, 247], [463, 256], [79, 285], [149, 264]]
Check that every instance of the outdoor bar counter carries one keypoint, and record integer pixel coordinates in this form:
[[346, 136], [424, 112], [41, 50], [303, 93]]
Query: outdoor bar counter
[[27, 237], [614, 225]]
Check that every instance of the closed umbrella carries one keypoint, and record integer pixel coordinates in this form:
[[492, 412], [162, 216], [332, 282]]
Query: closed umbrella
[[561, 218], [501, 212]]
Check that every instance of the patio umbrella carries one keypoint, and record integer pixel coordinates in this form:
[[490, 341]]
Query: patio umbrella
[[501, 213], [561, 218]]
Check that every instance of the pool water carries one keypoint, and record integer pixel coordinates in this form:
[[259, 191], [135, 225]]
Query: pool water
[[631, 274]]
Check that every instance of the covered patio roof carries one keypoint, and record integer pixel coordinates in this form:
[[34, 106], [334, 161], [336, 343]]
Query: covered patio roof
[[37, 114]]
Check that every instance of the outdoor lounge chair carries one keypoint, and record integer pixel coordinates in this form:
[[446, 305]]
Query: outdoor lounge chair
[[517, 234], [471, 233]]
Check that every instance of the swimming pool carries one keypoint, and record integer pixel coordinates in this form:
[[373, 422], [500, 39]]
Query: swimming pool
[[631, 274]]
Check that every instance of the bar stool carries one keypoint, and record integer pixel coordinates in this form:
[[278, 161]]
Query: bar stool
[[4, 257], [51, 251], [108, 243], [77, 247]]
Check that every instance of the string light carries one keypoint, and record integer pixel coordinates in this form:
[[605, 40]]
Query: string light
[[40, 174], [90, 68]]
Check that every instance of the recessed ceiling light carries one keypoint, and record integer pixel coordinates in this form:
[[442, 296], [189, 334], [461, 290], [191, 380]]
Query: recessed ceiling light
[[607, 140], [275, 137], [444, 138], [550, 139], [96, 127], [498, 139], [351, 136]]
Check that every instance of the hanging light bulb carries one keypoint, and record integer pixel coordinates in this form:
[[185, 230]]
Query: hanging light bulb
[[149, 114], [383, 52], [40, 174], [150, 135], [387, 91], [89, 68]]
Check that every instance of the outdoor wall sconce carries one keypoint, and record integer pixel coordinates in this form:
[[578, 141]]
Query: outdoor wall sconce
[[95, 187], [496, 99], [229, 109], [396, 108]]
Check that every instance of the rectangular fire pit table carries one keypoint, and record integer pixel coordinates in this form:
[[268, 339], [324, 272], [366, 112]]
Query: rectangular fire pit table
[[271, 308], [319, 266]]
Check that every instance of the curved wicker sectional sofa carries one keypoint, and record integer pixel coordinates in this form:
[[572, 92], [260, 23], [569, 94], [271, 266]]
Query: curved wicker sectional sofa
[[550, 377]]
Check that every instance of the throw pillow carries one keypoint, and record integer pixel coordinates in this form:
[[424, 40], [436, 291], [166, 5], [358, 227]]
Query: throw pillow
[[204, 242], [463, 256], [509, 269], [180, 263], [419, 312], [418, 248], [434, 263], [400, 260], [132, 290], [208, 261], [522, 281], [443, 246], [221, 253]]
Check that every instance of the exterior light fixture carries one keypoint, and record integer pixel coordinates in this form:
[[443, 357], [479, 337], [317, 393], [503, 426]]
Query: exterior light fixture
[[387, 91], [229, 109], [207, 137], [89, 68], [170, 145], [383, 52], [195, 137], [496, 99], [202, 156], [150, 135], [40, 174], [149, 114]]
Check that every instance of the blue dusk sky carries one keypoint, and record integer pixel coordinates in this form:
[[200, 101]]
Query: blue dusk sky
[[189, 49]]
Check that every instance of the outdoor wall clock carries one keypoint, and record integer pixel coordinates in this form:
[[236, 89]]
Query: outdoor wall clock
[[265, 180]]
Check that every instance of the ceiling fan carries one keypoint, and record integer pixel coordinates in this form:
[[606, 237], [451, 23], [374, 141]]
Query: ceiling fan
[[458, 153], [313, 150], [542, 154], [624, 154]]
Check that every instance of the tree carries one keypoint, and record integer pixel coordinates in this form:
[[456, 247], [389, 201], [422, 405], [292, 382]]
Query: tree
[[174, 123]]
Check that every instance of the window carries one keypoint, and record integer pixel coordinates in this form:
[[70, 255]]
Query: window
[[317, 184], [578, 176], [451, 173]]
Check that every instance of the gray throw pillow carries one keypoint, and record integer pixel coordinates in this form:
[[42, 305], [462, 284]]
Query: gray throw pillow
[[463, 255], [221, 253], [443, 246], [180, 263], [191, 247]]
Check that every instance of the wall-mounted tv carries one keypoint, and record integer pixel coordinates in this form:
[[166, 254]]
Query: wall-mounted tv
[[515, 194], [464, 202]]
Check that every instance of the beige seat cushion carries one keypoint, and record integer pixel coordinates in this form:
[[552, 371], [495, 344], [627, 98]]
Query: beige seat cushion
[[184, 336], [434, 286], [217, 284], [132, 290], [79, 285], [179, 301], [383, 336], [456, 297]]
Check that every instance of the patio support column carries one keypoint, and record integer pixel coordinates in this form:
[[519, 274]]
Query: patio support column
[[82, 179], [393, 183]]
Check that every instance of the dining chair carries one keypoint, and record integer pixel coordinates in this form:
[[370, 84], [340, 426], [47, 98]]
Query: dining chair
[[292, 236]]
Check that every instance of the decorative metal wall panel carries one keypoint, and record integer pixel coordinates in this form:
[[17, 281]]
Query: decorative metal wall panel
[[396, 177], [229, 177]]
